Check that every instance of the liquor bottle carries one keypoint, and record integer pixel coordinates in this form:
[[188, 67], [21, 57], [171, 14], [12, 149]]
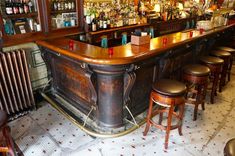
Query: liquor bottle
[[69, 5], [58, 5], [26, 7], [21, 7], [111, 23], [55, 5], [30, 6], [9, 9], [66, 5], [94, 25], [88, 17], [108, 21], [105, 25], [101, 20], [52, 5], [98, 23], [15, 7], [62, 5], [72, 5]]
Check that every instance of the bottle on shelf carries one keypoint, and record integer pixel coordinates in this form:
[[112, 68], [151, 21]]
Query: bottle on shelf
[[94, 25], [8, 27], [105, 25], [111, 25], [15, 7], [62, 7], [110, 15], [21, 7], [54, 5], [9, 9], [108, 21], [98, 23], [30, 5], [72, 5], [101, 20], [66, 5], [58, 5], [69, 3], [88, 18], [26, 7]]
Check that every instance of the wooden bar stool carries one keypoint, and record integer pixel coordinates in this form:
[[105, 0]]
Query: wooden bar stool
[[215, 64], [226, 57], [166, 93], [229, 149], [232, 52], [196, 77], [6, 142]]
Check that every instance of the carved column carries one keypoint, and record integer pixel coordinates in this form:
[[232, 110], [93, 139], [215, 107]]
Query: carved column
[[110, 91]]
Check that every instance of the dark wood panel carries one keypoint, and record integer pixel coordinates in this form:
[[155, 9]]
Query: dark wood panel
[[70, 80]]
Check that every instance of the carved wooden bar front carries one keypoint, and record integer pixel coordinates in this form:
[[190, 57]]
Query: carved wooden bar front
[[108, 89]]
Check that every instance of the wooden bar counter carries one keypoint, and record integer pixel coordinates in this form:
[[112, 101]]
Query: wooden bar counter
[[103, 83]]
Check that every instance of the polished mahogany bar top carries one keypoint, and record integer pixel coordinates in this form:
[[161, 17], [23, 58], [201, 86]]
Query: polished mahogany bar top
[[124, 54]]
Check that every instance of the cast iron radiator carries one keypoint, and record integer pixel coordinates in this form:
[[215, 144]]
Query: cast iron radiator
[[16, 95]]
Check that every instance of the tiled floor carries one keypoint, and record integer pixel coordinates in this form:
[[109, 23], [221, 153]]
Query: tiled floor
[[47, 132]]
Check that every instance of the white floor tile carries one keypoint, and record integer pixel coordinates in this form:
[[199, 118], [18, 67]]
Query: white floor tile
[[47, 132]]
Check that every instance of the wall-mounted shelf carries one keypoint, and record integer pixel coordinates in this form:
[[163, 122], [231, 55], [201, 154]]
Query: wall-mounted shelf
[[28, 15], [36, 24]]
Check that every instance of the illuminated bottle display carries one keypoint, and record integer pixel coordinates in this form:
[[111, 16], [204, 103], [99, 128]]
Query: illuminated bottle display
[[62, 5], [110, 15]]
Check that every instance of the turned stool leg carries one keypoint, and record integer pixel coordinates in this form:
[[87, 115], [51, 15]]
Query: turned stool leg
[[149, 116], [204, 95], [214, 86], [223, 77], [230, 67], [181, 115], [198, 101], [195, 112], [168, 128], [160, 118]]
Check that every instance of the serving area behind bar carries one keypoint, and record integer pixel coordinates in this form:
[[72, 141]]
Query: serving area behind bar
[[111, 84]]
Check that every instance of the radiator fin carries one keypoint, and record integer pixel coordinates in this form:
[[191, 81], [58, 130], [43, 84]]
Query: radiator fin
[[15, 85]]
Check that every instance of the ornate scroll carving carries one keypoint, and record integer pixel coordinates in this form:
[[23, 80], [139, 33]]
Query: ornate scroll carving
[[89, 73], [130, 77]]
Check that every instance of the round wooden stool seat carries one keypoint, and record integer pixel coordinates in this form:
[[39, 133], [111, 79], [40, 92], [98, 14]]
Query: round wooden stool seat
[[196, 70], [211, 60], [169, 87], [228, 49], [3, 118], [229, 149], [196, 77], [232, 52], [220, 53], [226, 56], [168, 94], [215, 64]]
